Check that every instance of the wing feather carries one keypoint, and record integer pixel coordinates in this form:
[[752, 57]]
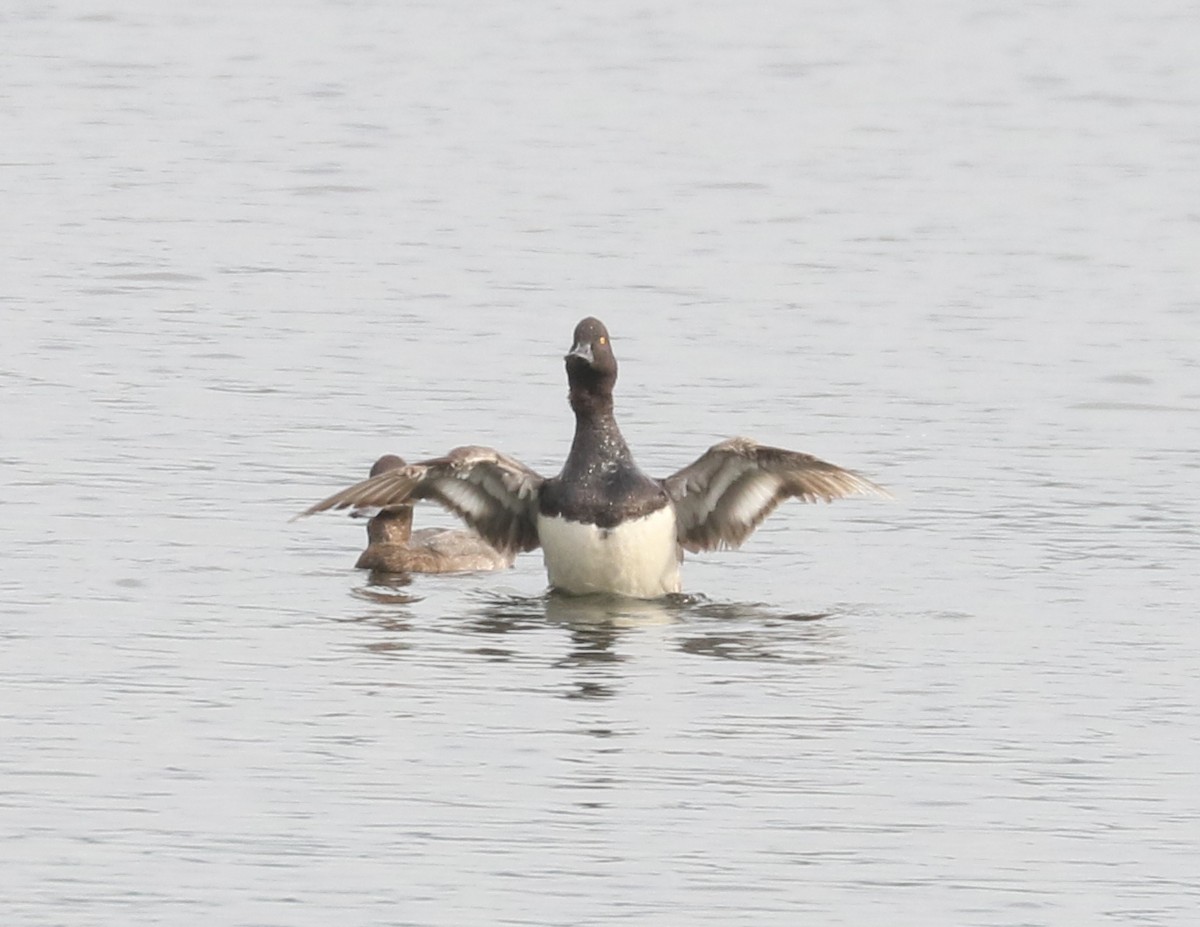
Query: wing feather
[[724, 495], [493, 493]]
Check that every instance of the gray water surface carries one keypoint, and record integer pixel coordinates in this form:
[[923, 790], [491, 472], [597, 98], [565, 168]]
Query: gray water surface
[[250, 248]]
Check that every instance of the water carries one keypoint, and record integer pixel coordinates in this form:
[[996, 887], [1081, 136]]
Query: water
[[251, 250]]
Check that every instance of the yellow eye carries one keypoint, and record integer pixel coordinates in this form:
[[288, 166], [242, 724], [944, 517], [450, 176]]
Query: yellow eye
[[603, 340]]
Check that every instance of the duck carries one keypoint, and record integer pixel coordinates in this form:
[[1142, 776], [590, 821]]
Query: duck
[[393, 546], [605, 526]]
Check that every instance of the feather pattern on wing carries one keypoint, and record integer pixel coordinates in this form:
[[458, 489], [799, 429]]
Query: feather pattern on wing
[[493, 493], [724, 495]]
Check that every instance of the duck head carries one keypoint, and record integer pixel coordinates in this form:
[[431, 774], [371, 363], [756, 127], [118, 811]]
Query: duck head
[[591, 366]]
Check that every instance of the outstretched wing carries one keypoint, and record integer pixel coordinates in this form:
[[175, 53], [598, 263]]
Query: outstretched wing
[[491, 492], [722, 497]]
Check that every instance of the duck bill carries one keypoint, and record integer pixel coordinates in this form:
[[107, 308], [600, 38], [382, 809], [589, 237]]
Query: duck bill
[[582, 351]]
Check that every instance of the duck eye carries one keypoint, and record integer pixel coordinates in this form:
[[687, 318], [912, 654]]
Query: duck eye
[[602, 340]]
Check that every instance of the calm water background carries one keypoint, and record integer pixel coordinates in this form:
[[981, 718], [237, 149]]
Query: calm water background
[[248, 248]]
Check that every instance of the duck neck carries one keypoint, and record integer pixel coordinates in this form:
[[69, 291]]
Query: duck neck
[[391, 526], [598, 446]]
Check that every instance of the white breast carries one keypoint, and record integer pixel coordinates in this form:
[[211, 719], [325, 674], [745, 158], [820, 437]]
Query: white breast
[[638, 558]]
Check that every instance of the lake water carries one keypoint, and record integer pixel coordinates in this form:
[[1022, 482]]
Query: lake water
[[252, 247]]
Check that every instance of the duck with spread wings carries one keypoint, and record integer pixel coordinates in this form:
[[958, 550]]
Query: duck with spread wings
[[603, 525]]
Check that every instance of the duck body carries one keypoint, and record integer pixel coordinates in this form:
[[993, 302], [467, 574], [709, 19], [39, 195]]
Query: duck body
[[393, 546], [435, 550], [603, 525], [638, 558]]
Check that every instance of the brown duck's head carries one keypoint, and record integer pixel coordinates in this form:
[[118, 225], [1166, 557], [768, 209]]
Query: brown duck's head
[[393, 524], [385, 463]]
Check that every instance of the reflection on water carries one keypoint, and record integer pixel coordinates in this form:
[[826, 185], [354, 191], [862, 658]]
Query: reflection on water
[[394, 616], [385, 588], [595, 626]]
